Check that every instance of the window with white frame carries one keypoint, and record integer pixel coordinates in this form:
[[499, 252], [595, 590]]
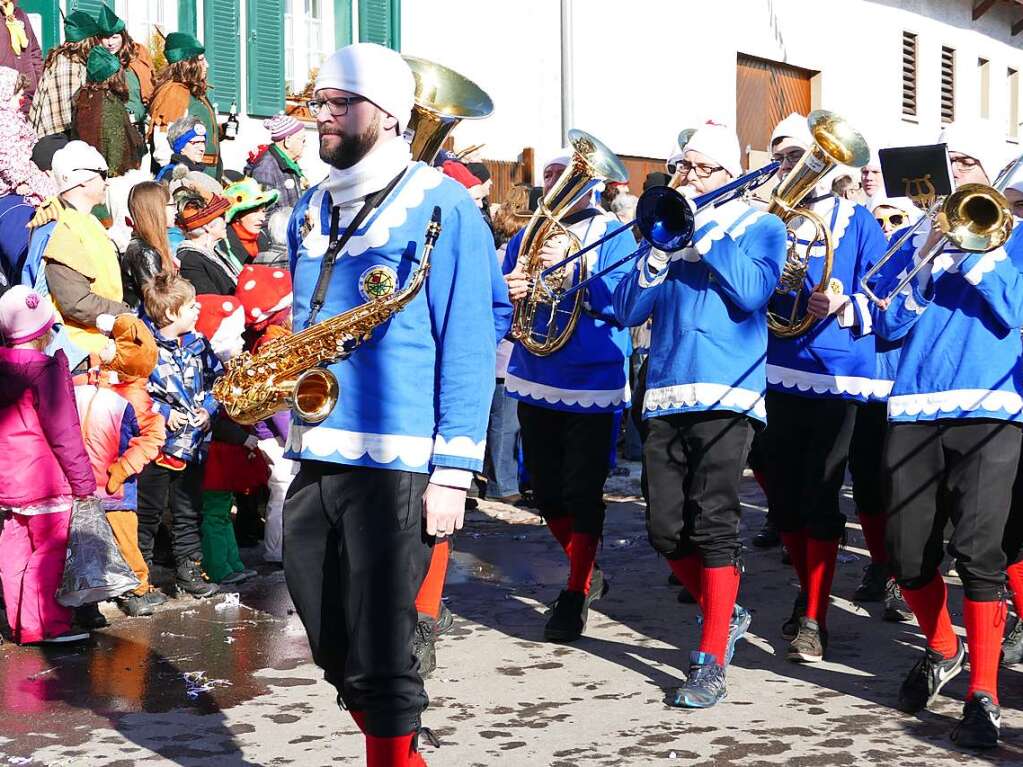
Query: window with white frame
[[307, 40], [143, 17]]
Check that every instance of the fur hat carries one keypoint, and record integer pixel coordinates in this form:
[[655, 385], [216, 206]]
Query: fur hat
[[222, 321], [263, 291], [136, 353]]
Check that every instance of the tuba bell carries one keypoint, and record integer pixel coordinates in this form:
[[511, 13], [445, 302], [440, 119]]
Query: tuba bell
[[835, 143], [542, 322]]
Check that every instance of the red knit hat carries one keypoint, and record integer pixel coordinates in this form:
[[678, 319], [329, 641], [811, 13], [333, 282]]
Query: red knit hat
[[264, 291], [195, 215], [222, 321], [460, 173]]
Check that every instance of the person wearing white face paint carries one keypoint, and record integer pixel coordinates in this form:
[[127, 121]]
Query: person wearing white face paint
[[705, 394]]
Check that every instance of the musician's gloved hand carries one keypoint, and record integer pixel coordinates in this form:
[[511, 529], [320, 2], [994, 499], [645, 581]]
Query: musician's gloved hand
[[822, 305], [443, 509], [517, 282], [555, 250], [658, 260]]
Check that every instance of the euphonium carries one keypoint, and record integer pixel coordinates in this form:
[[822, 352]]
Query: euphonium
[[291, 371], [835, 143], [540, 323]]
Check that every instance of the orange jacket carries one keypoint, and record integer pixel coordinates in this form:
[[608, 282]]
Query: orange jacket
[[142, 66], [152, 428]]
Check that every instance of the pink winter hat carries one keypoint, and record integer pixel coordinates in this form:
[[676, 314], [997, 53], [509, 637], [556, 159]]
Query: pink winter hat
[[24, 315], [281, 126]]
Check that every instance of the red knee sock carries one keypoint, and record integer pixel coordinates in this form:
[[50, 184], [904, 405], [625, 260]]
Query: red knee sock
[[689, 571], [392, 752], [1015, 575], [582, 553], [820, 572], [795, 544], [720, 585], [929, 605], [428, 598], [561, 529], [873, 530], [985, 622]]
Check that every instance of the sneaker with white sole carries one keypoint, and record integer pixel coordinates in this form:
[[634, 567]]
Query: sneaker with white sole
[[924, 681], [980, 724]]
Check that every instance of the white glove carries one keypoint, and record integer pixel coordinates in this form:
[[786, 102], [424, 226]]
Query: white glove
[[555, 250]]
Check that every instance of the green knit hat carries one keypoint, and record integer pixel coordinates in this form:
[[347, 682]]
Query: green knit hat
[[108, 22], [246, 195], [78, 26], [101, 65], [181, 46]]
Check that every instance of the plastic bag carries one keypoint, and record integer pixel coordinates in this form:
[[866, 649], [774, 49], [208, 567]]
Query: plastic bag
[[94, 569]]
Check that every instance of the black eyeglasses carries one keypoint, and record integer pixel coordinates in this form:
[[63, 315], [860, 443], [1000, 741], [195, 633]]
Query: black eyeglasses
[[101, 173], [336, 107], [700, 169], [964, 162], [791, 157]]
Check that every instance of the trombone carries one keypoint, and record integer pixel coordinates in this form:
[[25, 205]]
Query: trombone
[[666, 219], [976, 218]]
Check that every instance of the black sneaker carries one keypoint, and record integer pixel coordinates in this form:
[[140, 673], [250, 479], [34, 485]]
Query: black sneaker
[[135, 605], [705, 684], [90, 618], [790, 627], [872, 587], [924, 681], [810, 643], [445, 620], [155, 598], [568, 617], [191, 579], [768, 537], [982, 719], [895, 608], [1012, 645], [424, 645]]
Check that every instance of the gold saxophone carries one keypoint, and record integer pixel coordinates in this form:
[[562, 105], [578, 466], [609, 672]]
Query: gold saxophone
[[290, 372]]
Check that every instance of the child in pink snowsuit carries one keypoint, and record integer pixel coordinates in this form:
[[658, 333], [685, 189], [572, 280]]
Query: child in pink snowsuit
[[46, 468]]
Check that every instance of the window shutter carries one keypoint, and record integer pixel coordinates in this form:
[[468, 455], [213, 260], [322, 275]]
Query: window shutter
[[948, 84], [186, 17], [380, 22], [265, 57], [908, 74], [89, 6], [223, 51], [47, 12], [342, 23]]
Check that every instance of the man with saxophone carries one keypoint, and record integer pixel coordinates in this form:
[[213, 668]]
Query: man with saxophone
[[815, 379], [705, 394], [384, 476], [568, 402], [954, 436]]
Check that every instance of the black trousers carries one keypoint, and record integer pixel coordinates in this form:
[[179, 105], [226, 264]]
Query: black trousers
[[865, 457], [568, 458], [961, 470], [694, 462], [355, 554], [183, 489], [807, 446], [1012, 540]]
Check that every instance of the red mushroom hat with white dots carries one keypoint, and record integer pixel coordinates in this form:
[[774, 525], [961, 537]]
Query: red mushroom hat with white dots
[[264, 291]]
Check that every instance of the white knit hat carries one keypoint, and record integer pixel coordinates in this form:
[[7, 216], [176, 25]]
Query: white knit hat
[[977, 140], [719, 143], [76, 164], [374, 72], [794, 127]]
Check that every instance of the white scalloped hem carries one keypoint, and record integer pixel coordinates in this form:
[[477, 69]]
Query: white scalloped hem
[[703, 396], [820, 383], [603, 399], [324, 442], [956, 400], [460, 447]]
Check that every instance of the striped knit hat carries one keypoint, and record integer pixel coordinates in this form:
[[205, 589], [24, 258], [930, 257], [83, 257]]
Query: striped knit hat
[[281, 126]]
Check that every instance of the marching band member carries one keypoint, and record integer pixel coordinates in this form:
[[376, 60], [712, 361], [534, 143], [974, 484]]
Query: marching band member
[[953, 447], [705, 394], [385, 475], [814, 382], [567, 406]]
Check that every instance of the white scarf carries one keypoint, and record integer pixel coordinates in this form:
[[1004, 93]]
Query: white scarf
[[371, 174]]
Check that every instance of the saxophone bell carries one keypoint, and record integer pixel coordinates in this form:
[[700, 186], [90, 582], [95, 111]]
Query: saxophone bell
[[313, 394]]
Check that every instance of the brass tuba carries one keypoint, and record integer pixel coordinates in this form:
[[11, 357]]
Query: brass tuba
[[540, 323], [835, 143], [292, 371]]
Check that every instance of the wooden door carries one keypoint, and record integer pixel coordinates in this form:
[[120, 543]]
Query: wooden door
[[765, 93]]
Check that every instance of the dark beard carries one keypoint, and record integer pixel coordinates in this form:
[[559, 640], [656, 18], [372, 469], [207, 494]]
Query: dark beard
[[350, 149]]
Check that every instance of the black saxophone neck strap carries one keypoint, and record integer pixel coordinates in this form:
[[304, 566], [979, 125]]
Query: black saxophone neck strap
[[338, 243]]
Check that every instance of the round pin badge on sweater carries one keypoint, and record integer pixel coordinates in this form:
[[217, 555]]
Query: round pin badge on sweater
[[377, 282]]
